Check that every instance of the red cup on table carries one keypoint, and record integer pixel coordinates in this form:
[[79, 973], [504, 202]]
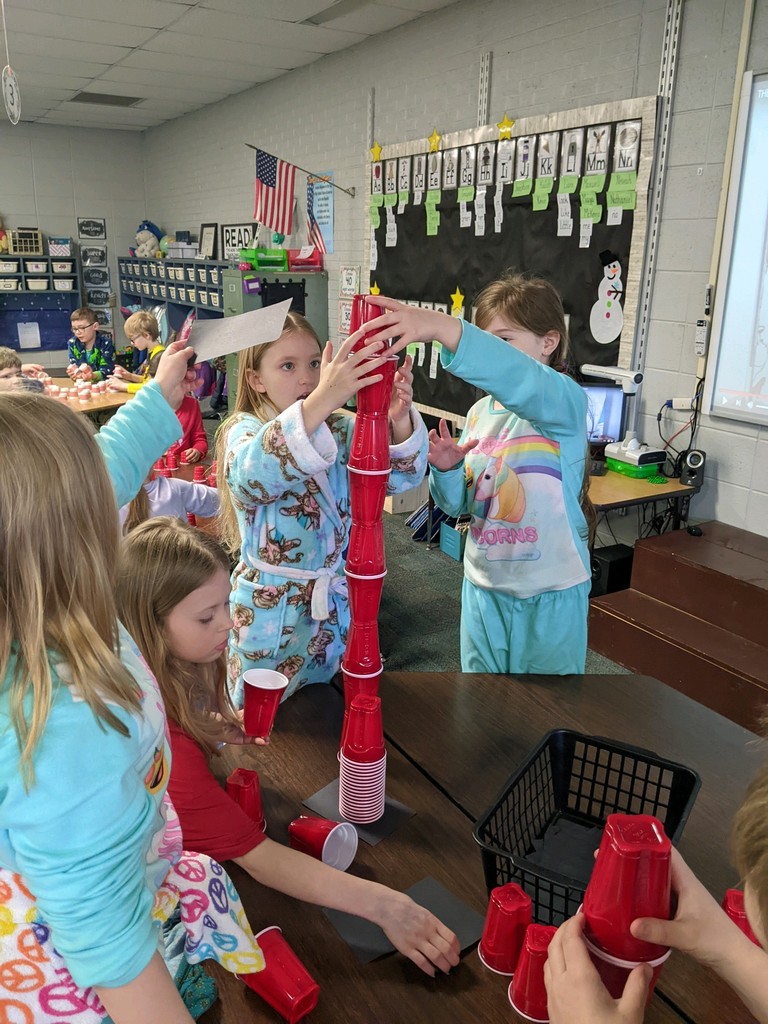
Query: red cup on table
[[198, 475], [364, 594], [285, 983], [509, 914], [631, 878], [373, 399], [366, 684], [244, 788], [364, 739], [263, 689], [362, 655], [614, 971], [367, 492], [365, 553], [332, 842], [362, 313], [369, 448], [733, 905], [527, 992]]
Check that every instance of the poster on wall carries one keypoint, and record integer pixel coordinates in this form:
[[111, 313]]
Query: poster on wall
[[572, 148], [92, 228], [626, 149], [322, 209], [93, 255], [235, 237], [596, 155], [96, 276], [97, 296]]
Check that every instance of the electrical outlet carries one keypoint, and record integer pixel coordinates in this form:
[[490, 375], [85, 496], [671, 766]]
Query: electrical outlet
[[685, 404]]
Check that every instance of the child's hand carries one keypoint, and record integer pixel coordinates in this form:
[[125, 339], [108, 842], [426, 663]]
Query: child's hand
[[192, 455], [444, 451], [86, 373], [575, 993], [72, 371], [174, 374], [402, 393], [407, 324], [700, 927], [32, 369], [417, 933], [341, 376], [115, 384], [235, 734]]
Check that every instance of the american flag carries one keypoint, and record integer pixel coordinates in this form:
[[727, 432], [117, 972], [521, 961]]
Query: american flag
[[314, 234], [274, 192]]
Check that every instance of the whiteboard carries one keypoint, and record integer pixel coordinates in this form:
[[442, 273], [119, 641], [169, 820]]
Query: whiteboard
[[737, 381]]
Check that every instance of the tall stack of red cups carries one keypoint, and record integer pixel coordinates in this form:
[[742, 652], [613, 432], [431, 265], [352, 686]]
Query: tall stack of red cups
[[363, 762], [632, 878], [369, 471]]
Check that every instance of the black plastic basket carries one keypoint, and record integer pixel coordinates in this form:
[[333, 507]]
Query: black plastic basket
[[545, 824]]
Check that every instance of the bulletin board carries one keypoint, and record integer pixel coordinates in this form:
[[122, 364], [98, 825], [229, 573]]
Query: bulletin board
[[560, 195]]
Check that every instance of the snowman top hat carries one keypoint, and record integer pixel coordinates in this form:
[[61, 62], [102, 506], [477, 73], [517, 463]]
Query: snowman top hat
[[607, 257]]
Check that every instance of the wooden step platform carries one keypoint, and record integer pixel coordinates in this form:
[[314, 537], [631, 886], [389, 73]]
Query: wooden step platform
[[696, 617]]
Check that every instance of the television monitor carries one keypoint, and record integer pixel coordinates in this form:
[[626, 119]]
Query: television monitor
[[606, 412]]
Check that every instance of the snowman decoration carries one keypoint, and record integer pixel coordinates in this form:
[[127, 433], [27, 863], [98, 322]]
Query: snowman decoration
[[606, 318]]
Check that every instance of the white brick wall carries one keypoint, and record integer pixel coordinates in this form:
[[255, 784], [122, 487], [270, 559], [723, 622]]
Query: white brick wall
[[546, 57]]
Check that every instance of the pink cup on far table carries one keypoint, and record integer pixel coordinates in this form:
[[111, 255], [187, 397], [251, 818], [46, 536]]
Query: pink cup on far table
[[527, 991], [332, 842], [631, 878], [263, 689], [509, 914], [285, 983], [244, 788]]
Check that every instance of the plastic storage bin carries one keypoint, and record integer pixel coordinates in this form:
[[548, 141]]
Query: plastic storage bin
[[35, 266], [9, 266], [544, 827], [64, 284], [37, 284], [452, 541], [9, 284], [61, 266]]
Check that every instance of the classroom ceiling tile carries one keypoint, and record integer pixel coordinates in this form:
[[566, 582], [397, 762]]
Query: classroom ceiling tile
[[178, 55]]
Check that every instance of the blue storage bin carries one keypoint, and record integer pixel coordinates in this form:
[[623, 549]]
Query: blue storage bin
[[452, 541]]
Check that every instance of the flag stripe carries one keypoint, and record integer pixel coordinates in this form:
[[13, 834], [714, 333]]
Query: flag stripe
[[274, 192], [314, 232]]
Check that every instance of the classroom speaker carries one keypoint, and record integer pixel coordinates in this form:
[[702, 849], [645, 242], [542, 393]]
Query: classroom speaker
[[611, 569], [692, 472]]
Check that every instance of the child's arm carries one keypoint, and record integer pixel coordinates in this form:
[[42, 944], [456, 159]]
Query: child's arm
[[575, 992], [151, 998], [198, 447], [447, 481], [106, 353], [199, 499], [402, 401], [341, 376], [703, 930], [414, 931]]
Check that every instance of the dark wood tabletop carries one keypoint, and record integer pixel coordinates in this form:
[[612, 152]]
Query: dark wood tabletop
[[437, 841], [469, 733]]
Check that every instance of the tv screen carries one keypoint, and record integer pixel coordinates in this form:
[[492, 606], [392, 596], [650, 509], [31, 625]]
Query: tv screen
[[605, 412]]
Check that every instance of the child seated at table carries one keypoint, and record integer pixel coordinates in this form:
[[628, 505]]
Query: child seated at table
[[182, 575], [13, 373], [90, 354], [143, 332], [166, 496], [700, 928]]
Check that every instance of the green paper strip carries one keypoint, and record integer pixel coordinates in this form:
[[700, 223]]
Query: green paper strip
[[540, 200], [522, 187], [377, 200], [544, 185], [466, 194], [623, 181], [433, 197], [412, 350], [591, 210], [625, 200], [391, 199], [375, 216], [592, 183], [433, 220], [403, 197], [568, 184]]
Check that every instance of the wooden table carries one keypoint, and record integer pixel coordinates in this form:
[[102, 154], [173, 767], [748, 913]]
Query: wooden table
[[614, 490], [436, 841], [469, 732], [111, 400]]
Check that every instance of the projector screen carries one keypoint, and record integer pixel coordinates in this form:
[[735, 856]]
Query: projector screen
[[737, 375]]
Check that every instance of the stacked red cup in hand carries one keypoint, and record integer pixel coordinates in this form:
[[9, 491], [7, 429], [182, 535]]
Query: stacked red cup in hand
[[509, 913], [631, 878], [243, 786], [363, 762]]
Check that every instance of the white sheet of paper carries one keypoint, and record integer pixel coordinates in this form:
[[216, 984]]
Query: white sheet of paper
[[400, 208], [497, 197], [422, 353], [564, 205], [497, 222], [585, 234], [480, 225], [465, 215], [417, 197], [435, 359], [374, 253], [564, 227], [29, 335], [390, 236], [614, 215], [306, 251], [212, 338]]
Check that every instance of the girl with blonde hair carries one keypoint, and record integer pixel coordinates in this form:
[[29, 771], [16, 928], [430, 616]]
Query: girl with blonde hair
[[282, 473], [92, 872]]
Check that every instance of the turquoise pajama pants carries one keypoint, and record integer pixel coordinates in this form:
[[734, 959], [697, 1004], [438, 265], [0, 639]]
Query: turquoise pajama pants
[[542, 635]]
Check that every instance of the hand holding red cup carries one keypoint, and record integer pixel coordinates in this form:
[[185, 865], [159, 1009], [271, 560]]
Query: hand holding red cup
[[263, 690]]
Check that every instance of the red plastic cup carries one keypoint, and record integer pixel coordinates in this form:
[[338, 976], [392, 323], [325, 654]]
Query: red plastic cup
[[362, 313], [509, 914], [614, 971], [369, 448], [366, 684], [364, 740], [362, 655], [198, 475], [373, 399], [263, 690], [733, 905], [631, 878], [285, 983], [332, 842], [527, 992], [367, 492], [243, 786], [171, 461], [365, 554], [364, 597]]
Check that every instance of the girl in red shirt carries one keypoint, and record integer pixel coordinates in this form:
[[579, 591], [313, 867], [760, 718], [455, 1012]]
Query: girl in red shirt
[[173, 596]]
